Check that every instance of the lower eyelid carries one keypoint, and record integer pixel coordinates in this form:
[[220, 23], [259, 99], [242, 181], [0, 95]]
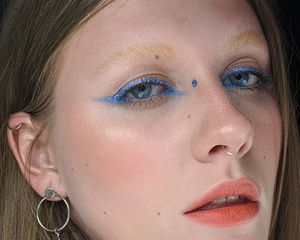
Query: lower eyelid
[[152, 102]]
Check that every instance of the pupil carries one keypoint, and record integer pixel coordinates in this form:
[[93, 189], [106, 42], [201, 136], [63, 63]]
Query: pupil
[[238, 76], [142, 88], [142, 91]]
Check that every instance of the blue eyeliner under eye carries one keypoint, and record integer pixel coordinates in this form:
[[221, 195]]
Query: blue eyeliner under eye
[[242, 77], [140, 90]]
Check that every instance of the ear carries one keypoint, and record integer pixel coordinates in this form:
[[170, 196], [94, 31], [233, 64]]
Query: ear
[[38, 167]]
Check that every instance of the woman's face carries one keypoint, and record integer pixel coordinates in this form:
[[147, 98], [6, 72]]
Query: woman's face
[[134, 157]]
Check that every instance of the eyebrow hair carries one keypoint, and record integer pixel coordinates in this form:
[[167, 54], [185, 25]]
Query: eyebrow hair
[[244, 38], [160, 51], [164, 52]]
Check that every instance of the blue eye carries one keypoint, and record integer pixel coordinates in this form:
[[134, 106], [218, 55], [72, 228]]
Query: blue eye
[[246, 78], [141, 91]]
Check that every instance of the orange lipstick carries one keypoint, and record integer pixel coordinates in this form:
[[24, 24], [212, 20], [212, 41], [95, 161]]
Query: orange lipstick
[[227, 204]]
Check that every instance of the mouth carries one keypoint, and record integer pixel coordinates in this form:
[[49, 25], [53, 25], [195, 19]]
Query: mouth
[[228, 204]]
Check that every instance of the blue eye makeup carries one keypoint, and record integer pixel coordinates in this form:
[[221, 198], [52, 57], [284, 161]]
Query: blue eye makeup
[[142, 92], [245, 78], [151, 91]]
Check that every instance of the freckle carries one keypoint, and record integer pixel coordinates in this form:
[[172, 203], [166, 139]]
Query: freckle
[[72, 169], [189, 116], [265, 157], [158, 214], [87, 164], [156, 56], [104, 213]]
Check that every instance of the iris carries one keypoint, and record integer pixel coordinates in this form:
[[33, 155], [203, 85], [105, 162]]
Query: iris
[[142, 91]]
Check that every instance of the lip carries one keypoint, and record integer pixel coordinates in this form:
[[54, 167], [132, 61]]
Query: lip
[[226, 216]]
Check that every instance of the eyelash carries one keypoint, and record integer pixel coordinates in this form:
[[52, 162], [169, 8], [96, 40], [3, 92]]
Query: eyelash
[[263, 81], [160, 98]]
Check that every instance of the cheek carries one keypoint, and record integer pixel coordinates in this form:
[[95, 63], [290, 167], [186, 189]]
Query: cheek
[[113, 160], [265, 153], [108, 155], [268, 133], [119, 168]]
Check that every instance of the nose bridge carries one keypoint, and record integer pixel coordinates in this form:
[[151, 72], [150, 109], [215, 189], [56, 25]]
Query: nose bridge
[[222, 126]]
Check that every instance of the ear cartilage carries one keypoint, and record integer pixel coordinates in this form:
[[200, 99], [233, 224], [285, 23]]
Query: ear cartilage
[[15, 128]]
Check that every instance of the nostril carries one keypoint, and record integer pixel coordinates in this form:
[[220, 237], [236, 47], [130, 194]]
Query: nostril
[[224, 148], [215, 149]]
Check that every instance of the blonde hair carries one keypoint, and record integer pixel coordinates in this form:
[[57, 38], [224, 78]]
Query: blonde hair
[[31, 42]]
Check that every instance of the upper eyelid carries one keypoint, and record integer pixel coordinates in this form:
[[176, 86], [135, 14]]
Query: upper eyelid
[[132, 84], [243, 69]]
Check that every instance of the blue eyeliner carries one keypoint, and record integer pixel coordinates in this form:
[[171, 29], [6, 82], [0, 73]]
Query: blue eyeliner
[[241, 76], [120, 96]]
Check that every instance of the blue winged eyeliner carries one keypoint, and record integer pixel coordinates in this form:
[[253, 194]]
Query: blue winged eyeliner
[[147, 82]]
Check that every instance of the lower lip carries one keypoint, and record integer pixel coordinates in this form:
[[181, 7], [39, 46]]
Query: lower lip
[[226, 216]]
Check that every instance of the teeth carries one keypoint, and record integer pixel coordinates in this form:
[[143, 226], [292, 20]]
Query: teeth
[[223, 200], [232, 198], [219, 201]]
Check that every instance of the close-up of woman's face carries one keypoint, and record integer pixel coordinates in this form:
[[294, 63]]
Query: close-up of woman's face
[[152, 100]]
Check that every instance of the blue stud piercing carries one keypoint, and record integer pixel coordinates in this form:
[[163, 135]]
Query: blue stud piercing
[[194, 83]]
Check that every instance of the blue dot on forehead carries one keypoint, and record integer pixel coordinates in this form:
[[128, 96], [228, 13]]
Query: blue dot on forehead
[[194, 83]]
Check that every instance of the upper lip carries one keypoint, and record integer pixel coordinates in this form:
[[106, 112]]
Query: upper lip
[[242, 187]]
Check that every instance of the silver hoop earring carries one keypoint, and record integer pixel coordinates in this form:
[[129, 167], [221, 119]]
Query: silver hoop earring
[[230, 153], [49, 194]]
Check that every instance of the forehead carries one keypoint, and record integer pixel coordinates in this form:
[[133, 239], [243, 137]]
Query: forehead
[[121, 20], [205, 25]]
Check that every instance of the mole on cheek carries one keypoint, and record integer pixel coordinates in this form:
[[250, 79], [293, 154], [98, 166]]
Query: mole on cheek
[[189, 116], [87, 164], [156, 56], [158, 213]]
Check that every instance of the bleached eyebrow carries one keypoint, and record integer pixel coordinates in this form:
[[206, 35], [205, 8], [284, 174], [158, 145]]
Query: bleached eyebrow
[[158, 51], [244, 38], [164, 52]]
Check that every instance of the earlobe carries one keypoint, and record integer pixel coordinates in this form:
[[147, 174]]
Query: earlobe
[[33, 153]]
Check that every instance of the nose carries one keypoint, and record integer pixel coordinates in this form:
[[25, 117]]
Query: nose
[[222, 130]]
